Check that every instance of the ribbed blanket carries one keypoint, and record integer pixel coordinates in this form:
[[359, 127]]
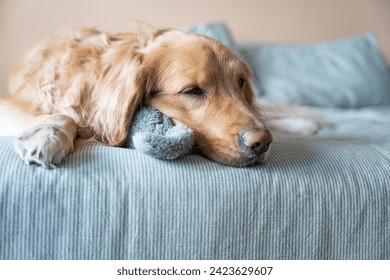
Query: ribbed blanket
[[316, 198]]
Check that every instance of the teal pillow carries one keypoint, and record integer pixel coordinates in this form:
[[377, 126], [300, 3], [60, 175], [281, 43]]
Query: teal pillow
[[344, 73]]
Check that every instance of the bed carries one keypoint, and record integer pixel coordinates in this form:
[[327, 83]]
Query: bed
[[324, 196]]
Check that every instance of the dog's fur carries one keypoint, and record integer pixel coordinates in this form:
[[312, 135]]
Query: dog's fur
[[87, 84]]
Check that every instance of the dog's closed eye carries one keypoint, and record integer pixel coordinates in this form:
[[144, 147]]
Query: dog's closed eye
[[194, 92]]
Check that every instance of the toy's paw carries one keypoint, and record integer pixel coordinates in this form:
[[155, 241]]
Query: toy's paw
[[46, 146], [177, 142]]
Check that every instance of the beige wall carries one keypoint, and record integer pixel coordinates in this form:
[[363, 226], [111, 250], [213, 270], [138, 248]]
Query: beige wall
[[23, 23]]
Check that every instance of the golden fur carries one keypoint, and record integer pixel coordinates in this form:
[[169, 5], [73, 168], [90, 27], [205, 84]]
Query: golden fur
[[88, 84]]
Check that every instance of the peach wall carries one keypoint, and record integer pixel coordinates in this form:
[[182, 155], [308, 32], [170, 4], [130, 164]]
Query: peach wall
[[23, 23]]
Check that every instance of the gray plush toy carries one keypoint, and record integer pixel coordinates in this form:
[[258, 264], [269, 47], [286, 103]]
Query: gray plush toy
[[154, 134]]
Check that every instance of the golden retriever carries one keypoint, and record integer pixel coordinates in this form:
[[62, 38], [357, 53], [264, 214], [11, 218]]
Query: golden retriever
[[87, 84]]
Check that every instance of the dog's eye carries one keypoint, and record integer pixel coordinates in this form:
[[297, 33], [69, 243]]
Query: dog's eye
[[241, 83], [196, 91]]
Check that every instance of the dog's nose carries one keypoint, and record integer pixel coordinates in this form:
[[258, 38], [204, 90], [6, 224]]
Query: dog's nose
[[256, 141]]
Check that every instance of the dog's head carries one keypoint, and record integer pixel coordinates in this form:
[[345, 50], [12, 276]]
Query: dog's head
[[198, 82]]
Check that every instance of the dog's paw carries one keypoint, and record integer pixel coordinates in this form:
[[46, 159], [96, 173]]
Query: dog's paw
[[45, 145]]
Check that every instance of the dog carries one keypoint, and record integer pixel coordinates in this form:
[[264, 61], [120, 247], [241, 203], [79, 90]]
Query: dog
[[87, 84]]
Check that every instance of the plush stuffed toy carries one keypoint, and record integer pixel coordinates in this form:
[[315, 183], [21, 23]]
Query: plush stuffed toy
[[154, 134]]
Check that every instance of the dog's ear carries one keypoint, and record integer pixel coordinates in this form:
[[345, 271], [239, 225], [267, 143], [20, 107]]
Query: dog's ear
[[124, 83], [116, 96]]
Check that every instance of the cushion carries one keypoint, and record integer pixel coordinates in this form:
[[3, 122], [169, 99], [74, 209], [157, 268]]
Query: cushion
[[345, 73]]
